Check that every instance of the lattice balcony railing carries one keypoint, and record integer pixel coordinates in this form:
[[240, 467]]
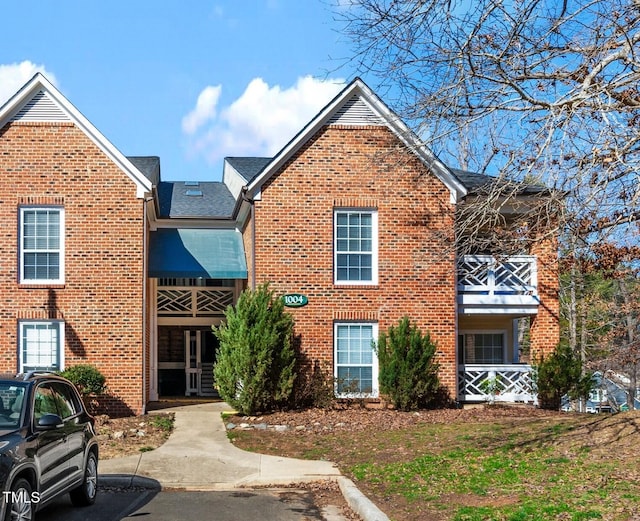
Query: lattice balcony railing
[[500, 383], [193, 302], [486, 275]]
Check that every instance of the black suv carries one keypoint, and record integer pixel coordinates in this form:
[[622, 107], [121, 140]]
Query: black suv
[[47, 445]]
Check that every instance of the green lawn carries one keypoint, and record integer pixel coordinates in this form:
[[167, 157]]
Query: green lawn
[[515, 468]]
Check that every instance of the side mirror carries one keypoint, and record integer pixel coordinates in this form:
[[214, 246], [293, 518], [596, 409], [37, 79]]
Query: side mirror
[[49, 422]]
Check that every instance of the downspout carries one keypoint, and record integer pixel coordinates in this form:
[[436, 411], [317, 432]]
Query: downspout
[[253, 235], [145, 311], [253, 245]]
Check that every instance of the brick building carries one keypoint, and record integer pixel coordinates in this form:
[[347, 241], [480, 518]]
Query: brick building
[[105, 263]]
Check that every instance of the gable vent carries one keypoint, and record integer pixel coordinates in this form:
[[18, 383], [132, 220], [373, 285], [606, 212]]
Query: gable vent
[[355, 112], [41, 108]]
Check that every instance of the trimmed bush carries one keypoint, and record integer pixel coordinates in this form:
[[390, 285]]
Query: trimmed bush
[[87, 378], [408, 371], [254, 369], [558, 375]]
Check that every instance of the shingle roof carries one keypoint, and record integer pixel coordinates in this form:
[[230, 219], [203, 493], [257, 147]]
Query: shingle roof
[[209, 200], [149, 166], [248, 167], [474, 182]]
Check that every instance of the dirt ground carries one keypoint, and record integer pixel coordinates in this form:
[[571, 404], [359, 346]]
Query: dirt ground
[[131, 435]]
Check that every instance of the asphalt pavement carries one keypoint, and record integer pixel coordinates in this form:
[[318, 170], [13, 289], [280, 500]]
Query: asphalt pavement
[[156, 505]]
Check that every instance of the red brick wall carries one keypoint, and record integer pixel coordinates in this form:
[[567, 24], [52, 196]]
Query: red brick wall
[[101, 301], [360, 167], [545, 326]]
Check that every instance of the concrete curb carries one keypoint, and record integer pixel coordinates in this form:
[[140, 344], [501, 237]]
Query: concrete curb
[[360, 503], [128, 481]]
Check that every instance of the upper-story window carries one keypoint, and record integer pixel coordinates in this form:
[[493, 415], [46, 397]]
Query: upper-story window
[[41, 245], [356, 246]]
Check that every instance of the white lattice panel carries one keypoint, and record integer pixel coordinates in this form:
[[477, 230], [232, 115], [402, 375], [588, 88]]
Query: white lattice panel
[[484, 274], [512, 383]]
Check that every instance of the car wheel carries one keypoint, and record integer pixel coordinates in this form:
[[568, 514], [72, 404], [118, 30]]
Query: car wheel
[[86, 493], [19, 505]]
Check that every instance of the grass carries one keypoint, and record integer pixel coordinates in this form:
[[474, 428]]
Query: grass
[[570, 467], [164, 423]]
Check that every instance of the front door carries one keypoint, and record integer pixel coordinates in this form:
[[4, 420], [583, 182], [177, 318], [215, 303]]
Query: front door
[[200, 351]]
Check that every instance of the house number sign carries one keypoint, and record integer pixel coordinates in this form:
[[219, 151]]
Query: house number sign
[[295, 300]]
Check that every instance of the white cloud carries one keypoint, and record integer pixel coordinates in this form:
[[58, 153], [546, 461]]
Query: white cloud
[[204, 111], [262, 120], [15, 75]]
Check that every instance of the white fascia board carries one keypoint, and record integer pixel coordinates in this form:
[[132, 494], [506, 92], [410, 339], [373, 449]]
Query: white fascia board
[[394, 123], [38, 82], [233, 179]]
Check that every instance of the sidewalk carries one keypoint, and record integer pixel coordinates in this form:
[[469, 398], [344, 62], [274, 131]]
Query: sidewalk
[[199, 456]]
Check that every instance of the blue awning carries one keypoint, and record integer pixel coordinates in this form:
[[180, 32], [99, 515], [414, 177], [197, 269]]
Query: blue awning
[[197, 253]]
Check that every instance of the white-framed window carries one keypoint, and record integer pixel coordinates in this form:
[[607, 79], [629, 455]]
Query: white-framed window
[[355, 246], [356, 362], [482, 347], [41, 245], [41, 345]]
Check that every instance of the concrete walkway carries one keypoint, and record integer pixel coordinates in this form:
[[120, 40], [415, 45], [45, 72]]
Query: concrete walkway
[[199, 456]]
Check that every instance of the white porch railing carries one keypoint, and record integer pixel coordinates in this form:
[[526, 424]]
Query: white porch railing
[[488, 284], [510, 383]]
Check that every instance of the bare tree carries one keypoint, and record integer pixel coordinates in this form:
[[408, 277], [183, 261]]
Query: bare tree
[[535, 91]]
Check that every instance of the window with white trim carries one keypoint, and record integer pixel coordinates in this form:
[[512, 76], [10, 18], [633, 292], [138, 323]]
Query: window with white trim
[[41, 245], [482, 347], [356, 363], [355, 246], [41, 345]]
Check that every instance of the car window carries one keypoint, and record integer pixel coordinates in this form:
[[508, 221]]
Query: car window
[[67, 402], [45, 401], [55, 398], [11, 403]]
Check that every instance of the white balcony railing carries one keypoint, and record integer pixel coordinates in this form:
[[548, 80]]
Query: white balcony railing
[[499, 383], [487, 284]]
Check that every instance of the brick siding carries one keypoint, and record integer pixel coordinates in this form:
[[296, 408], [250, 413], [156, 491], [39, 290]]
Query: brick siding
[[101, 301], [361, 167]]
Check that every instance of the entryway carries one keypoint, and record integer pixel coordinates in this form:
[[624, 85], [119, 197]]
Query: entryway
[[186, 356]]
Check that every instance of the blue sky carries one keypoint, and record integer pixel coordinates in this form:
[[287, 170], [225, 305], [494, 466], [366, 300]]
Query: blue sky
[[190, 81]]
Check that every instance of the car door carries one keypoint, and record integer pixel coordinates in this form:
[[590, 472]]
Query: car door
[[70, 410], [51, 447]]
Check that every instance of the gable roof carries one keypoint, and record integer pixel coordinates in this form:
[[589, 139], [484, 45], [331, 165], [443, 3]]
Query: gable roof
[[39, 100], [358, 104]]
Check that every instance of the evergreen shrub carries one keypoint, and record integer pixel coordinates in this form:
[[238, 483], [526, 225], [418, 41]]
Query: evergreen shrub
[[408, 370], [254, 369], [558, 375]]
